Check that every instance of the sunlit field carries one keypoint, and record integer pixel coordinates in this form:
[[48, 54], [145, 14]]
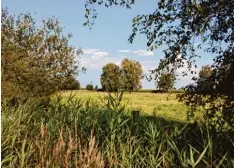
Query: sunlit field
[[154, 104]]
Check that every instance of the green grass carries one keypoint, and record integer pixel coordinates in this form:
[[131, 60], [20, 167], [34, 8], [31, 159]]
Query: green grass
[[152, 104], [82, 133]]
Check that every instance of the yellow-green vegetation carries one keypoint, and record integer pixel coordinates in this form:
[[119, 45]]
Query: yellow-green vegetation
[[154, 104], [79, 133]]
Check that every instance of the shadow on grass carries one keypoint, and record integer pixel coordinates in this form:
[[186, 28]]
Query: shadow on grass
[[188, 134]]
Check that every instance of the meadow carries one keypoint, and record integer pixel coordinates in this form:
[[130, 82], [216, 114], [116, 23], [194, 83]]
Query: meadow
[[78, 131], [163, 105]]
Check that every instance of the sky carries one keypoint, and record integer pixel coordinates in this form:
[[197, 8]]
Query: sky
[[107, 41]]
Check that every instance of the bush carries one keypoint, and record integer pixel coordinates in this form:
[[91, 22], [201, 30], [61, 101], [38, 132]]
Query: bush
[[159, 91], [100, 90], [70, 84], [177, 91], [89, 87]]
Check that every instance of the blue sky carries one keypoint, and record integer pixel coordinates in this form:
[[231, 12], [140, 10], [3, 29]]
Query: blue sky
[[107, 41]]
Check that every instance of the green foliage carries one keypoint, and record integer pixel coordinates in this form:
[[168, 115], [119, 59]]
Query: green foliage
[[204, 83], [111, 77], [89, 87], [176, 24], [128, 77], [70, 83], [131, 74], [208, 95], [113, 101], [35, 60], [205, 72], [96, 87], [50, 133], [165, 81], [90, 11]]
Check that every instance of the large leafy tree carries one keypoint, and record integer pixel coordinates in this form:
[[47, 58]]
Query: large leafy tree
[[178, 24], [204, 82], [35, 60], [111, 77], [131, 74], [127, 77], [165, 81]]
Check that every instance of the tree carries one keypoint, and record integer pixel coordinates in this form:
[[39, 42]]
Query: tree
[[35, 60], [176, 24], [89, 87], [128, 77], [70, 83], [204, 82], [205, 72], [131, 74], [166, 81], [111, 77], [96, 87]]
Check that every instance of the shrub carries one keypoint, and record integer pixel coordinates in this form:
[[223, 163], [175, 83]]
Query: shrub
[[177, 91], [159, 91], [89, 87], [70, 84], [100, 90]]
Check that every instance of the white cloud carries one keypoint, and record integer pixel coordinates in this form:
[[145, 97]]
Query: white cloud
[[99, 54], [124, 51], [95, 53], [184, 74], [90, 51], [90, 63], [185, 68], [93, 58], [143, 53]]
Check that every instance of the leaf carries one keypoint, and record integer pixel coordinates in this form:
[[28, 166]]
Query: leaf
[[201, 156]]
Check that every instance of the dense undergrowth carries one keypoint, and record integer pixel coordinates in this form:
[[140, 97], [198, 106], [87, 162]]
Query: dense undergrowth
[[84, 134]]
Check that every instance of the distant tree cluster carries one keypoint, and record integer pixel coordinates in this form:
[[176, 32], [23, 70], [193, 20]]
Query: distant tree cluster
[[127, 77], [70, 83], [89, 87]]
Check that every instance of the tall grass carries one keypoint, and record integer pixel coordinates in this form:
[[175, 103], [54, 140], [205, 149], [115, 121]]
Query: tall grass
[[85, 134]]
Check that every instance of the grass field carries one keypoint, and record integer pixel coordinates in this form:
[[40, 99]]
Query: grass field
[[56, 133], [154, 104]]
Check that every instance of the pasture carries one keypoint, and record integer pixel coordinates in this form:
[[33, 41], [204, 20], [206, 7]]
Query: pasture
[[163, 105]]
